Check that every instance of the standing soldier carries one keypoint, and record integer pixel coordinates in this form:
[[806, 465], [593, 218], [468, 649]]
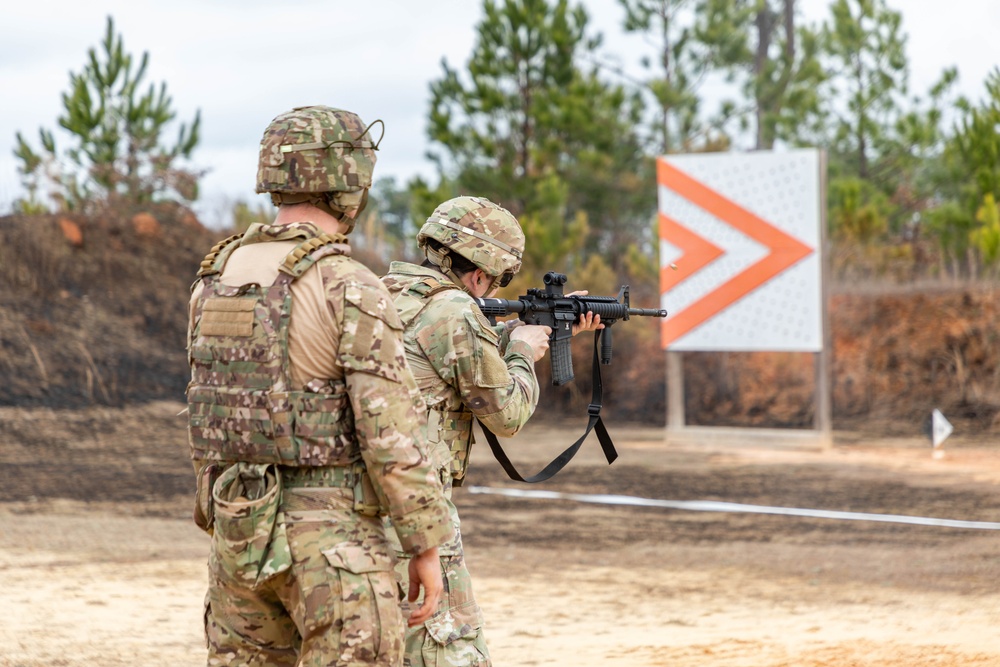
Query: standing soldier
[[464, 366], [305, 422]]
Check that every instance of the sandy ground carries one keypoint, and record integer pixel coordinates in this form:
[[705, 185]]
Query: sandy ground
[[99, 564]]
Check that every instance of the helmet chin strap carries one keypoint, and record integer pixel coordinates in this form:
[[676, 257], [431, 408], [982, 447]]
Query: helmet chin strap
[[442, 260]]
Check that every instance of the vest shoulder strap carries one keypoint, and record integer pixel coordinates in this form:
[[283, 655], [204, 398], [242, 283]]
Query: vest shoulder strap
[[307, 253], [429, 286], [216, 258], [412, 300]]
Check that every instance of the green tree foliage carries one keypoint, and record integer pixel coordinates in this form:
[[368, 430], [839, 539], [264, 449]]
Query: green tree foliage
[[569, 147], [642, 258], [424, 198], [245, 215], [856, 213], [33, 170], [549, 245], [865, 48], [976, 142], [966, 180], [525, 126], [774, 61], [986, 237], [910, 166], [387, 228], [501, 127], [116, 153], [609, 176], [952, 227], [674, 77]]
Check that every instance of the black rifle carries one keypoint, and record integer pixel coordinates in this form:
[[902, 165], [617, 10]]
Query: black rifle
[[551, 308]]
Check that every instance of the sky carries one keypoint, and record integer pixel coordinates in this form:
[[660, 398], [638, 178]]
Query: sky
[[242, 62]]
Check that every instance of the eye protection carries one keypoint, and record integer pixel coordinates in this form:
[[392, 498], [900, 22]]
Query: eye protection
[[505, 279]]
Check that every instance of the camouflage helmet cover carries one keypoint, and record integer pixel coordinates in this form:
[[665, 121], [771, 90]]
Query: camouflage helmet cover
[[480, 231], [317, 149]]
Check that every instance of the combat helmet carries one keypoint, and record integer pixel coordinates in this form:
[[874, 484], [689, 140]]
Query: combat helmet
[[480, 231], [320, 155]]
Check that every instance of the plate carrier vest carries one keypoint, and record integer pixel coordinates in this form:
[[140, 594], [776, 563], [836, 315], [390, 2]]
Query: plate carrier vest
[[453, 429], [240, 403]]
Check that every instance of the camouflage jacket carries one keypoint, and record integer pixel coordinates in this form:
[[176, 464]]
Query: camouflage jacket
[[360, 354], [460, 361]]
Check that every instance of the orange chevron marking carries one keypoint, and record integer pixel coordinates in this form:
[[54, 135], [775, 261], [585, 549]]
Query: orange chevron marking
[[785, 251], [700, 251]]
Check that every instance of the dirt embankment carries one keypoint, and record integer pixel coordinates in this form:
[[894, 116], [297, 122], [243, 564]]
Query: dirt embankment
[[94, 313], [897, 355], [93, 310]]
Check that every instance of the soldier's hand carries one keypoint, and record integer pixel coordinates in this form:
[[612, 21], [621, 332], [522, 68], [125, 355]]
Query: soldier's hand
[[589, 321], [425, 570], [535, 335]]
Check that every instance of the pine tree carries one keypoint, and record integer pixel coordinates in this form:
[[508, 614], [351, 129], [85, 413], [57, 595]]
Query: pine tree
[[527, 127], [116, 153], [865, 48], [773, 60], [680, 65]]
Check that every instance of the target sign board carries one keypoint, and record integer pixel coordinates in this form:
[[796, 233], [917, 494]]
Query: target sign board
[[740, 251]]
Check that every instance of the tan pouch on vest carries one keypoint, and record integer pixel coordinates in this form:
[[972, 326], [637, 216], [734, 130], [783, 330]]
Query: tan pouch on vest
[[204, 509], [249, 543]]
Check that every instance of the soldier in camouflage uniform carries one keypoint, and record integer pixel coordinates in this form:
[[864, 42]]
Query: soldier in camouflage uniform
[[464, 367], [306, 426]]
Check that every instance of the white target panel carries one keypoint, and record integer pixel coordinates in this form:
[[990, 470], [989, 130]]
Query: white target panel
[[740, 255]]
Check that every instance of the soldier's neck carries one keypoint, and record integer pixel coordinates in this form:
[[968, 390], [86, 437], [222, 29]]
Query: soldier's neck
[[289, 213]]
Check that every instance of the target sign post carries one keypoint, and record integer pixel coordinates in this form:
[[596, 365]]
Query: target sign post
[[741, 257]]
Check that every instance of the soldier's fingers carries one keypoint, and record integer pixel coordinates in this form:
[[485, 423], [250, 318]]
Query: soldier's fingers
[[588, 322], [427, 609]]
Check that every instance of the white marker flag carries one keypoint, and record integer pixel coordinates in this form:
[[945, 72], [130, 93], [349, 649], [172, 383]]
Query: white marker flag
[[941, 428]]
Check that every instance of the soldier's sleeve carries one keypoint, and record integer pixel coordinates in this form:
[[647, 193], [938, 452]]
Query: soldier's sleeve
[[196, 290], [503, 330], [389, 414], [500, 388]]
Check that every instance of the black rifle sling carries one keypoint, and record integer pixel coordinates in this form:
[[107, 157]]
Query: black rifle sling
[[595, 423]]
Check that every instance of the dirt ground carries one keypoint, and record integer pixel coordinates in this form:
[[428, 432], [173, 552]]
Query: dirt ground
[[100, 565]]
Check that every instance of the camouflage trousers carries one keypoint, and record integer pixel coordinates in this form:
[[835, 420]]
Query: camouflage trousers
[[452, 637], [316, 590]]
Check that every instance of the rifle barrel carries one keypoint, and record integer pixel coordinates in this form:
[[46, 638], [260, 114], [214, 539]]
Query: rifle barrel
[[647, 312]]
